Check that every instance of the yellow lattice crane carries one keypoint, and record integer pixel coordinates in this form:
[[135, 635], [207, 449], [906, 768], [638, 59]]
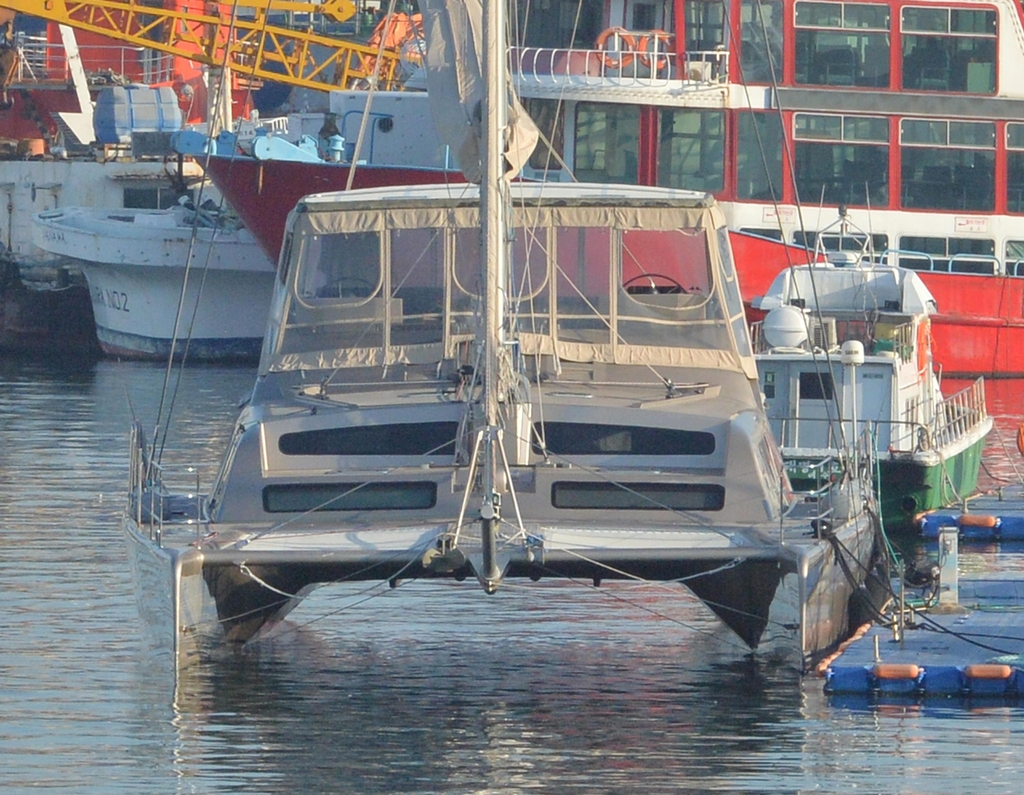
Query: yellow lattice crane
[[237, 35]]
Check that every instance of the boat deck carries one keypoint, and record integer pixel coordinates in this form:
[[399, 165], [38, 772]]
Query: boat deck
[[975, 650]]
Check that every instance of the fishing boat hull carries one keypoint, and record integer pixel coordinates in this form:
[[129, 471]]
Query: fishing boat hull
[[908, 485], [142, 296]]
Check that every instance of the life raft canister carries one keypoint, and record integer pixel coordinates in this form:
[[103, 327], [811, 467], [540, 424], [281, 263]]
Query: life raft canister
[[621, 55]]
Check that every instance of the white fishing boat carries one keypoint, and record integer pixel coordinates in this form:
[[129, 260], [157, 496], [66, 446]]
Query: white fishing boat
[[511, 382], [845, 350], [157, 277]]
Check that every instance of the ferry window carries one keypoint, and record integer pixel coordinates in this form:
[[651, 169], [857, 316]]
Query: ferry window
[[761, 40], [607, 143], [949, 49], [842, 159], [759, 157], [417, 286], [548, 115], [644, 16], [851, 242], [1014, 169], [947, 165], [691, 149], [705, 26], [344, 267], [951, 254], [842, 44], [771, 234], [1015, 257], [560, 25], [582, 272]]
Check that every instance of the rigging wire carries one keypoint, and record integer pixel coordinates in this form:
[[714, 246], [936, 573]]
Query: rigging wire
[[374, 79], [219, 100]]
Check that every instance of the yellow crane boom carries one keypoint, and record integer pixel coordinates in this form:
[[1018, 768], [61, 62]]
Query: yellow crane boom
[[248, 44]]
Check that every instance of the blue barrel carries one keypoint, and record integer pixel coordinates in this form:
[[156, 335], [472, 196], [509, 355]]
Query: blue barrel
[[123, 110]]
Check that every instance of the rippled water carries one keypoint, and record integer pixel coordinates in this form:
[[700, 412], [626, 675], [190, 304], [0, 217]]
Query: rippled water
[[424, 688]]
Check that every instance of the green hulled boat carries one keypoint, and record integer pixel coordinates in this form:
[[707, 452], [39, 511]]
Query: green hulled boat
[[845, 362]]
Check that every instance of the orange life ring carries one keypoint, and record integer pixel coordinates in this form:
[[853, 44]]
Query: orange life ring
[[924, 345], [1020, 439], [622, 55], [654, 50]]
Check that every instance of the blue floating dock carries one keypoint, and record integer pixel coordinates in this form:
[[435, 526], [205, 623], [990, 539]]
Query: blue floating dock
[[973, 650], [993, 516]]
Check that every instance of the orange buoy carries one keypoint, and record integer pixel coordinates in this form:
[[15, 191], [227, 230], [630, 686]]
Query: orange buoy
[[896, 671], [924, 345], [976, 520], [988, 671], [622, 54], [1020, 439], [654, 48]]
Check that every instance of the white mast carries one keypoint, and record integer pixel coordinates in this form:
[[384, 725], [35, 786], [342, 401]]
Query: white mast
[[493, 243]]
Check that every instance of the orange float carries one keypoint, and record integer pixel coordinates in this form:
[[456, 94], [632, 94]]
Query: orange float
[[896, 671], [622, 55], [654, 49], [988, 671], [924, 344], [1020, 439]]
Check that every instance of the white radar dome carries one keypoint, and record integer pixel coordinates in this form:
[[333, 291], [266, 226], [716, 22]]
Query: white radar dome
[[784, 327]]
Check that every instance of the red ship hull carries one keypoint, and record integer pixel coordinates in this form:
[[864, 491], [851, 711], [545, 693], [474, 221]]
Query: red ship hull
[[263, 192]]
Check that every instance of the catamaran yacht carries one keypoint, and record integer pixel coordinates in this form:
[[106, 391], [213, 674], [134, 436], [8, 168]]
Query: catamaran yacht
[[587, 409]]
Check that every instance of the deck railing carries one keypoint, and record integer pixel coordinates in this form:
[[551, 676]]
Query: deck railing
[[959, 414], [652, 67], [955, 417], [40, 61], [153, 505]]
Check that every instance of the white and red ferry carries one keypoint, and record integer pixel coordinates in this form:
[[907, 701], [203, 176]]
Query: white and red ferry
[[907, 114]]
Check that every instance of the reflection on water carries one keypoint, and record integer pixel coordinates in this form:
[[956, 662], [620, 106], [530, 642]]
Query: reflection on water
[[429, 687]]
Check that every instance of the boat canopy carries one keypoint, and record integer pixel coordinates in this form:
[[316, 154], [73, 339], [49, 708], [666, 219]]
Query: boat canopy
[[850, 290], [373, 278]]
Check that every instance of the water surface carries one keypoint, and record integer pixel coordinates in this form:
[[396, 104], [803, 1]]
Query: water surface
[[426, 688]]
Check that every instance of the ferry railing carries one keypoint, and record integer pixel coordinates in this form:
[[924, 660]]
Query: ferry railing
[[158, 497], [654, 66], [980, 264]]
